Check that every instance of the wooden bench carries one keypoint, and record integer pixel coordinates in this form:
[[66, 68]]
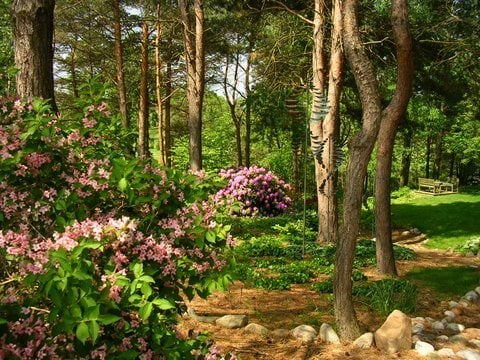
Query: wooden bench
[[429, 185], [435, 187]]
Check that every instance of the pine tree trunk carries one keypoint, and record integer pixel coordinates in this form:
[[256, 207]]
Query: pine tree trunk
[[143, 135], [33, 48], [158, 90], [248, 109], [168, 108], [122, 92], [391, 119]]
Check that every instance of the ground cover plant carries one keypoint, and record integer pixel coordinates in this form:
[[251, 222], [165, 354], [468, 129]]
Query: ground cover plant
[[98, 250], [449, 221]]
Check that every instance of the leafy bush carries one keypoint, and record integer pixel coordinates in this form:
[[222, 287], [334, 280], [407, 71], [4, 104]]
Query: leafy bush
[[254, 191], [472, 246], [100, 249]]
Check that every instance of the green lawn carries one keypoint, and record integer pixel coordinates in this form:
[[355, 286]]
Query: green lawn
[[447, 220]]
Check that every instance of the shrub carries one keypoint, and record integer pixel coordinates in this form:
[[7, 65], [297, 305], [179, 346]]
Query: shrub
[[254, 191], [98, 249], [472, 246]]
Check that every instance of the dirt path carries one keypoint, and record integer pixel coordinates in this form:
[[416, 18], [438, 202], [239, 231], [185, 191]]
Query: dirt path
[[301, 305]]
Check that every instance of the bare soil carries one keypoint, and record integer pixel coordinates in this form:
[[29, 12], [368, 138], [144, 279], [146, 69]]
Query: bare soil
[[301, 305]]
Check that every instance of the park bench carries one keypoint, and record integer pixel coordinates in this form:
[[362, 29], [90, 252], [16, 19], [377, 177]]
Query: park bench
[[435, 187]]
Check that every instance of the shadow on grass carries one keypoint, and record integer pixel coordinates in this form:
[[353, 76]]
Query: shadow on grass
[[452, 280]]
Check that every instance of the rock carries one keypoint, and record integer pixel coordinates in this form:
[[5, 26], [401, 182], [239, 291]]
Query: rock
[[424, 348], [256, 329], [417, 328], [281, 333], [447, 352], [474, 343], [328, 335], [305, 333], [471, 296], [442, 338], [438, 325], [418, 319], [201, 318], [468, 354], [455, 327], [395, 334], [453, 304], [232, 321], [364, 341], [449, 313], [464, 303], [477, 289], [458, 339]]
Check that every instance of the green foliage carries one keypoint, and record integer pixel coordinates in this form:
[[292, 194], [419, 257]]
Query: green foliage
[[472, 246]]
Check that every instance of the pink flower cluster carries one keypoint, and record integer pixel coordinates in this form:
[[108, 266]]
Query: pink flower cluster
[[256, 190]]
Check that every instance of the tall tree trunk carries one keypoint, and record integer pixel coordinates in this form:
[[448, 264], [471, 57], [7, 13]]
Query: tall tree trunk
[[360, 148], [33, 48], [248, 108], [193, 39], [406, 156], [143, 136], [158, 90], [168, 112], [122, 92], [391, 119]]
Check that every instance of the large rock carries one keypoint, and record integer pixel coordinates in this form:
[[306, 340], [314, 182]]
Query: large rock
[[471, 296], [364, 341], [256, 329], [305, 333], [468, 354], [232, 321], [328, 335], [395, 334], [446, 352], [201, 318]]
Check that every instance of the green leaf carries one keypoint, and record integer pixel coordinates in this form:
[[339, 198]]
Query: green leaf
[[145, 311], [146, 290], [91, 313], [137, 270], [82, 332], [123, 184], [210, 236], [107, 319], [76, 311], [127, 355], [146, 278], [3, 321], [163, 304], [94, 329]]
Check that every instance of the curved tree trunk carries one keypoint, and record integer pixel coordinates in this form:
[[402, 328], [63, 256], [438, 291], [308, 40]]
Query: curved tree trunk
[[122, 92], [360, 148], [33, 48], [391, 119]]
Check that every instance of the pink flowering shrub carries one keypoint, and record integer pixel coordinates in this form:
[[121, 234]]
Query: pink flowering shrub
[[98, 251], [254, 191]]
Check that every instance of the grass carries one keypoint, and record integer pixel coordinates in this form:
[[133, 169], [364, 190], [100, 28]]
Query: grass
[[449, 221], [448, 281]]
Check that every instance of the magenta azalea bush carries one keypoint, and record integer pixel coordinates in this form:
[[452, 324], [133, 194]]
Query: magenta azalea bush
[[254, 191], [98, 251]]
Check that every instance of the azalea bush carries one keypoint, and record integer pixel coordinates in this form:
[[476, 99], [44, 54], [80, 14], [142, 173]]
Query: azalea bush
[[98, 250], [254, 191]]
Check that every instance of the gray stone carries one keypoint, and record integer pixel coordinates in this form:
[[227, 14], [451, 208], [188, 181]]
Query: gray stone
[[256, 329], [458, 339], [468, 354], [474, 343], [232, 321], [364, 341], [328, 335], [201, 318], [305, 333], [453, 304], [445, 321], [424, 348], [447, 352], [395, 334], [417, 328], [471, 296], [449, 313], [455, 327], [281, 333], [438, 325]]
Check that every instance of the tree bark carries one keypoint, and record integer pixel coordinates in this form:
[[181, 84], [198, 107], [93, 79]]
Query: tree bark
[[158, 90], [360, 148], [391, 119], [122, 92], [248, 108], [143, 134], [33, 49], [193, 39], [168, 112]]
